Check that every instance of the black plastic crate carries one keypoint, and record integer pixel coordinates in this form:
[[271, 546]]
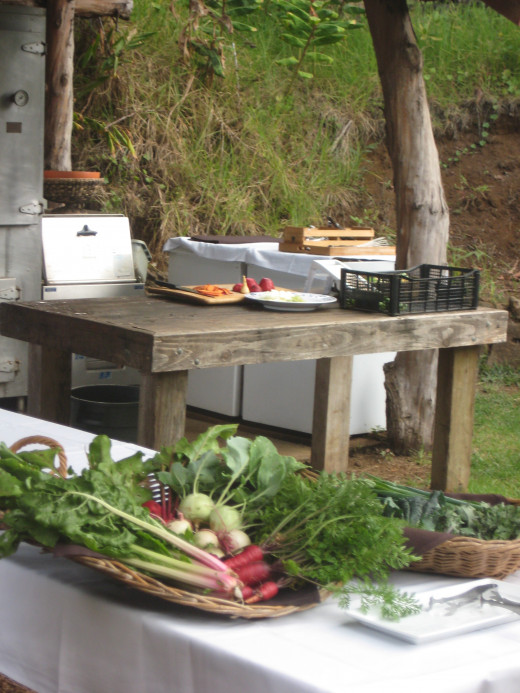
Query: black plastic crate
[[421, 289]]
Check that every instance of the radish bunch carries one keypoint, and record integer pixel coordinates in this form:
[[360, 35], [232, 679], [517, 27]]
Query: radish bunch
[[218, 486]]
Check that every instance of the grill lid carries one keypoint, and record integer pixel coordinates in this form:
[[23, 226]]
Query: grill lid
[[87, 249]]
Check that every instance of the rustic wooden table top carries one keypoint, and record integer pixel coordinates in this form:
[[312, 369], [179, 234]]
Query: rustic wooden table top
[[157, 335]]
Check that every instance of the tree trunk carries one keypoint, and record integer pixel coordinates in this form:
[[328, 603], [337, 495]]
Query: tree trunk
[[59, 83], [421, 211]]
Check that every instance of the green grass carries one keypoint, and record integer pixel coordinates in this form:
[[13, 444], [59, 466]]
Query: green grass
[[495, 463]]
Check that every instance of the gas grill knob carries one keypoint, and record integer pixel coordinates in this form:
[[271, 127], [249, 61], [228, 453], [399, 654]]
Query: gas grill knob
[[20, 97]]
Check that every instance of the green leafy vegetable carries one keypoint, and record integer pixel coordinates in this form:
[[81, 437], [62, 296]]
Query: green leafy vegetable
[[102, 510], [332, 530], [436, 511]]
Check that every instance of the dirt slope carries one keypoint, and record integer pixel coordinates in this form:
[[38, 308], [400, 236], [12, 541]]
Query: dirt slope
[[482, 188]]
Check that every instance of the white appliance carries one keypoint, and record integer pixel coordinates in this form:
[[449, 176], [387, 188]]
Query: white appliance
[[212, 389], [276, 394], [90, 256]]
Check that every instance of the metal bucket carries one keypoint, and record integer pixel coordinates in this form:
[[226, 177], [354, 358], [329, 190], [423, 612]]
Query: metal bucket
[[111, 410]]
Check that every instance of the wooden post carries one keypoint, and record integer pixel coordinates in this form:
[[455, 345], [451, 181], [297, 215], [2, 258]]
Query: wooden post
[[59, 83], [331, 418], [49, 377], [162, 408], [457, 380]]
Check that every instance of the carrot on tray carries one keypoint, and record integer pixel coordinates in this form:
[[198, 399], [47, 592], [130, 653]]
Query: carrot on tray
[[212, 290]]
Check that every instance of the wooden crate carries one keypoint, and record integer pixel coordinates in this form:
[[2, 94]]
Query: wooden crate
[[329, 242]]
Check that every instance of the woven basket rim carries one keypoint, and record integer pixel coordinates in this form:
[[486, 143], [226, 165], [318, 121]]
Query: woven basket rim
[[204, 602], [470, 557], [61, 470], [58, 183]]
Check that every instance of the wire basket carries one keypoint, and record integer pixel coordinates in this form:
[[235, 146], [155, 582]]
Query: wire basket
[[421, 289]]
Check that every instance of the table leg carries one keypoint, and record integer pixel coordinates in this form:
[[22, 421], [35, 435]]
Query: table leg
[[331, 417], [162, 409], [49, 376], [455, 405]]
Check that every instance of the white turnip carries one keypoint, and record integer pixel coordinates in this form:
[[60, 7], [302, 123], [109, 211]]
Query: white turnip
[[205, 538], [196, 507], [224, 518], [234, 541], [179, 526]]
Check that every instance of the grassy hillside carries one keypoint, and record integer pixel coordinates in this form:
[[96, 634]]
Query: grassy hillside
[[188, 152]]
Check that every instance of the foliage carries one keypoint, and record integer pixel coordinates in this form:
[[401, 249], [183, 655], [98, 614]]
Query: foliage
[[207, 29], [240, 156], [438, 512], [331, 530], [308, 26]]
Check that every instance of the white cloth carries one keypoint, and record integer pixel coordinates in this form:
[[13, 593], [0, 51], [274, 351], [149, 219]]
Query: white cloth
[[266, 255], [67, 629], [15, 426]]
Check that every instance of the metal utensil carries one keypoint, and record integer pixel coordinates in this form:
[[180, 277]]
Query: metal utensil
[[168, 285], [496, 599], [457, 600]]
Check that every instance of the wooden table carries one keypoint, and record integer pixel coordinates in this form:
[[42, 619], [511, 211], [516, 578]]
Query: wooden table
[[165, 339]]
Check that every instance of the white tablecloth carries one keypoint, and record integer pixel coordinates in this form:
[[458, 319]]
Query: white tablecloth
[[268, 256], [67, 629]]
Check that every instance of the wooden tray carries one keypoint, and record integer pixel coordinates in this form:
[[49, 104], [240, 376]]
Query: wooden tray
[[180, 295], [329, 242], [331, 249]]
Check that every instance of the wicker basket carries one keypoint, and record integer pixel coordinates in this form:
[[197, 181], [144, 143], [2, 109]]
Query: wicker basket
[[75, 192], [285, 603], [468, 557], [7, 685], [61, 470]]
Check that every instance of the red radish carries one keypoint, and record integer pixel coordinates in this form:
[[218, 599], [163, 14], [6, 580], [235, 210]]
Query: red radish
[[254, 573], [247, 592], [267, 590], [250, 554], [253, 286], [154, 508], [266, 284], [237, 288]]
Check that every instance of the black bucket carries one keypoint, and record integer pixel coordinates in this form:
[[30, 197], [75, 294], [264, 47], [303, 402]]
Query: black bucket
[[111, 410]]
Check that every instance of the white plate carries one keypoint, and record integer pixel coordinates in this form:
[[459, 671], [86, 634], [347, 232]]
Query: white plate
[[308, 301], [444, 619]]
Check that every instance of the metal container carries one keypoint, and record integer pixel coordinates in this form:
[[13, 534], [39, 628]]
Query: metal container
[[22, 89], [111, 410]]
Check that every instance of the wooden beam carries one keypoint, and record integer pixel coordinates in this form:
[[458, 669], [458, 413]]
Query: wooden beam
[[49, 384], [162, 409], [105, 8], [331, 417], [451, 457], [86, 8]]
